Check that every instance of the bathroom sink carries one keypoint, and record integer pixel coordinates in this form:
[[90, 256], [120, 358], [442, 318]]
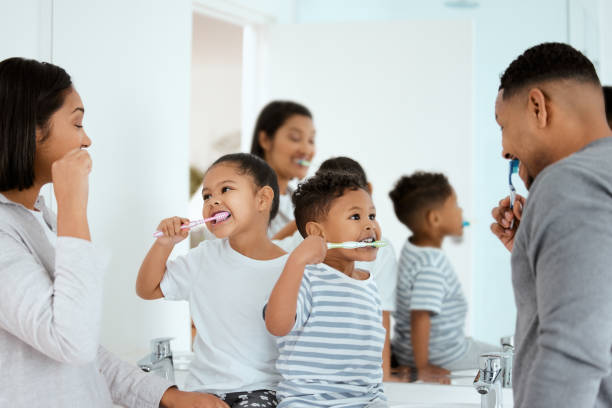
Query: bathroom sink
[[427, 405]]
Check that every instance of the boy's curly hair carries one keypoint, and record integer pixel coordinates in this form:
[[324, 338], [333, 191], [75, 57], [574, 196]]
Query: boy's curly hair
[[417, 192], [313, 198]]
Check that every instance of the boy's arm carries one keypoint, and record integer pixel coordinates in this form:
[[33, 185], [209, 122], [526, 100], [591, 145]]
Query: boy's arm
[[154, 265], [282, 305], [386, 357], [420, 327]]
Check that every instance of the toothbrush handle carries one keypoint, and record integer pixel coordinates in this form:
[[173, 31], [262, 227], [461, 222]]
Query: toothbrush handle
[[192, 224]]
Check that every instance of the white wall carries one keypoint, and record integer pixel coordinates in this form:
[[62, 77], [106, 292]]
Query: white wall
[[606, 41], [25, 29], [502, 30], [216, 90], [131, 63]]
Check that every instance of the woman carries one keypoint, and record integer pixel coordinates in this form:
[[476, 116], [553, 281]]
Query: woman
[[284, 136], [51, 291]]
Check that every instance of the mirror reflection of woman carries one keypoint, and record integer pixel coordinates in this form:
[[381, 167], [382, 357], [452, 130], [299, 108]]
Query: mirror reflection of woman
[[284, 137]]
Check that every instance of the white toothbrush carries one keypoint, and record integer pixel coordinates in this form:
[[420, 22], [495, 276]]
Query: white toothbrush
[[221, 216], [355, 244]]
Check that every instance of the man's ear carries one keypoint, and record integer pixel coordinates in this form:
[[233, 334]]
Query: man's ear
[[536, 105], [314, 228], [265, 198]]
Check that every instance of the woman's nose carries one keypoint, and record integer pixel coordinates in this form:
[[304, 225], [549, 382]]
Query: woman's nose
[[86, 142]]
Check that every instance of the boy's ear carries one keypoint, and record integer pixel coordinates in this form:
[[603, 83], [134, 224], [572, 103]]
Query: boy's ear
[[314, 228], [370, 188], [432, 218], [265, 197]]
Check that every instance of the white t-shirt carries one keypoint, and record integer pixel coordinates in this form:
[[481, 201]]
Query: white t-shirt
[[226, 292], [383, 269], [51, 235], [284, 215]]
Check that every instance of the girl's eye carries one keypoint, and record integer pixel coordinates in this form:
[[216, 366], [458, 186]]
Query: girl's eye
[[294, 137], [355, 217], [225, 189], [206, 197], [372, 216], [79, 126]]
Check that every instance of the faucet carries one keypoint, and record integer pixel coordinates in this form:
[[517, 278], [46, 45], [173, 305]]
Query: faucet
[[159, 361], [488, 381], [507, 357]]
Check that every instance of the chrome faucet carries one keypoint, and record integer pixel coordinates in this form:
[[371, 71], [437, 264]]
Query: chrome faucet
[[507, 356], [488, 381], [160, 360]]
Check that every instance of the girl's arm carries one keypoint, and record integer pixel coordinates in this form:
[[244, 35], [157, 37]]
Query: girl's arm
[[154, 265], [282, 305]]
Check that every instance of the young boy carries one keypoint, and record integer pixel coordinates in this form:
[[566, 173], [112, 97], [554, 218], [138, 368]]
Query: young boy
[[383, 268], [431, 308], [327, 313]]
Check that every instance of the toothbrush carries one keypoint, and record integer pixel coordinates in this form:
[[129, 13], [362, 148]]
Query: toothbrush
[[465, 224], [303, 162], [514, 165], [355, 244], [221, 216]]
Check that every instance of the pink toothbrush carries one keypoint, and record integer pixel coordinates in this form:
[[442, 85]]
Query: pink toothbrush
[[220, 216]]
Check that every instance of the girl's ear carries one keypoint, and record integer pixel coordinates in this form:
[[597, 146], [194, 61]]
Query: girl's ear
[[314, 228], [265, 198]]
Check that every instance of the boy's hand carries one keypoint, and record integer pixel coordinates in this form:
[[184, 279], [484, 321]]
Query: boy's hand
[[432, 373], [173, 234], [173, 398], [503, 216], [311, 251]]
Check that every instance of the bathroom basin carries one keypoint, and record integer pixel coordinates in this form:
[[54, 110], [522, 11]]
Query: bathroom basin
[[441, 405]]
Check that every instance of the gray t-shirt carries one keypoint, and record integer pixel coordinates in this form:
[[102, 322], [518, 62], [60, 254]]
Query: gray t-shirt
[[562, 278]]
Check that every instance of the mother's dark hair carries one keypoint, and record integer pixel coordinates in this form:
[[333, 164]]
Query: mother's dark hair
[[30, 92], [271, 118]]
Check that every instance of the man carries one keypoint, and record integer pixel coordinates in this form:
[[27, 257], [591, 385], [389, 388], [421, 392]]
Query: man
[[551, 110]]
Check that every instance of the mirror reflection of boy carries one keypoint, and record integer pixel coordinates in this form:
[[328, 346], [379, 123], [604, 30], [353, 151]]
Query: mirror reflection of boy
[[431, 307]]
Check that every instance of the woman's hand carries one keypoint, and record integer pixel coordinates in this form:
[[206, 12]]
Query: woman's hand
[[70, 176], [504, 216], [173, 234], [173, 398]]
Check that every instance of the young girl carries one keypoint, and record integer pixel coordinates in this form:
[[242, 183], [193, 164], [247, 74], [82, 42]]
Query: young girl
[[284, 137], [226, 282]]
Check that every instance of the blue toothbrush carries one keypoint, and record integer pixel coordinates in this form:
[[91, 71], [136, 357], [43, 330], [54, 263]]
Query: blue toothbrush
[[514, 167]]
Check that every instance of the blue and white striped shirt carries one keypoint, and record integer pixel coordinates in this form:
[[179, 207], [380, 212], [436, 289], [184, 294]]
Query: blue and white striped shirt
[[427, 281], [333, 354]]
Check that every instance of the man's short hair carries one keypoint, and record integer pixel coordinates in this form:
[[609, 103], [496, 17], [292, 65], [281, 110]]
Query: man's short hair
[[547, 62]]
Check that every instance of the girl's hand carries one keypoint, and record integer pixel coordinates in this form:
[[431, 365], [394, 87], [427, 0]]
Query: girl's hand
[[70, 176], [311, 251], [173, 398], [173, 234]]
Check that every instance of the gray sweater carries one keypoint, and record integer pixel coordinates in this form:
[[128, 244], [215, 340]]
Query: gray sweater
[[50, 312], [562, 278]]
